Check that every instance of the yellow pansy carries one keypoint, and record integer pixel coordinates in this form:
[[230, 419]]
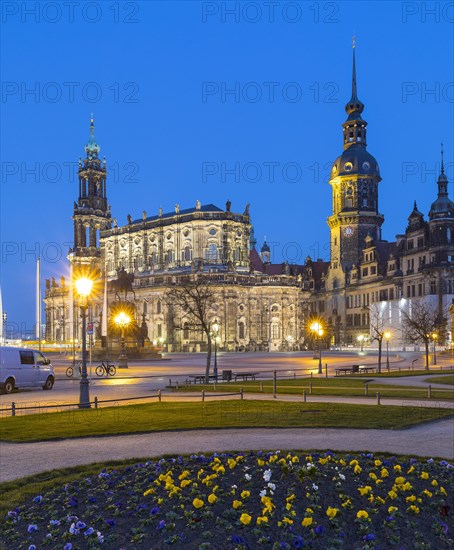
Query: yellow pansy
[[407, 486], [392, 494], [380, 500], [424, 475], [342, 462], [362, 514], [197, 503], [443, 491], [346, 503], [413, 509], [245, 494], [411, 470], [332, 512], [183, 475], [434, 483], [377, 463], [185, 482], [427, 493], [397, 468], [400, 480], [364, 490], [384, 472], [372, 476], [237, 503], [148, 492], [245, 519], [307, 522], [357, 469], [288, 521], [309, 511], [262, 519], [411, 498], [212, 498], [260, 462], [392, 509]]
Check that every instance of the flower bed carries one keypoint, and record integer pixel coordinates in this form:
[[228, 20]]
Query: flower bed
[[275, 500]]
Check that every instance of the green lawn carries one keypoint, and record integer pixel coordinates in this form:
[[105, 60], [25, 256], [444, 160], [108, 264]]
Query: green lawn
[[448, 379], [415, 372], [342, 386], [152, 417]]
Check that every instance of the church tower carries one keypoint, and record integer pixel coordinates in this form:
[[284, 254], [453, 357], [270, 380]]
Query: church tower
[[91, 211], [354, 179]]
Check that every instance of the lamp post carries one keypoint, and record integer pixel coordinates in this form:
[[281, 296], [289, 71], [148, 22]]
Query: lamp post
[[317, 329], [360, 339], [434, 338], [122, 319], [215, 328], [387, 336], [4, 319], [83, 288]]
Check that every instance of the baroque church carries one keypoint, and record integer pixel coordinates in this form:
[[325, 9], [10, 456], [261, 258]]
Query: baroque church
[[259, 305]]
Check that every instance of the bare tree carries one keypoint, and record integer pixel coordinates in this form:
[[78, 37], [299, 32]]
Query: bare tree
[[194, 299], [378, 329], [422, 323]]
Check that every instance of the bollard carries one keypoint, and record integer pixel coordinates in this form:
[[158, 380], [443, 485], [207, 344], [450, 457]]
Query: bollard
[[159, 395], [96, 401], [294, 375], [311, 374], [203, 395], [304, 396], [13, 409], [170, 382], [241, 394], [177, 385], [366, 389], [310, 388], [326, 370], [261, 385], [274, 384], [378, 398], [429, 392]]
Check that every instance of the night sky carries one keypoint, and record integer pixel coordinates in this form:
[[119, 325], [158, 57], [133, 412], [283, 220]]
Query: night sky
[[213, 101]]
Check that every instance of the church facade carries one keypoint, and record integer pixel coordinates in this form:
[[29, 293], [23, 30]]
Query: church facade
[[260, 305]]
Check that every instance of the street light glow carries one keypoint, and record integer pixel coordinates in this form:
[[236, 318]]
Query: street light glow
[[215, 327], [122, 319], [84, 286], [387, 335]]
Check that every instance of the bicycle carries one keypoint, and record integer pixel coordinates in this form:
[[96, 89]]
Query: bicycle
[[108, 369], [70, 369]]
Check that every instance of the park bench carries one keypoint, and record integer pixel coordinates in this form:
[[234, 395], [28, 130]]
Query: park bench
[[245, 375], [354, 369]]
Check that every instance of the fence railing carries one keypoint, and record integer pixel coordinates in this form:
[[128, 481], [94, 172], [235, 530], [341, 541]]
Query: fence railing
[[16, 408]]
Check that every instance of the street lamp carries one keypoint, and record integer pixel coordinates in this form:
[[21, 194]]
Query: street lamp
[[434, 338], [387, 336], [4, 317], [122, 319], [215, 328], [83, 288], [361, 339], [317, 329]]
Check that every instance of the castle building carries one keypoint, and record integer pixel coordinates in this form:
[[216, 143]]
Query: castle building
[[260, 305]]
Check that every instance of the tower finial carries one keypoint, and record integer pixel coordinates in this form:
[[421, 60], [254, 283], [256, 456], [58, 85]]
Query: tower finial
[[353, 41], [442, 160], [92, 148], [354, 105]]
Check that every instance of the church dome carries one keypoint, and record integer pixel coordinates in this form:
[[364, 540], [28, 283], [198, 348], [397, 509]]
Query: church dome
[[355, 160]]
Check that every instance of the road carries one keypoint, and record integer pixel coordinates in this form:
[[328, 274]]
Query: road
[[145, 378]]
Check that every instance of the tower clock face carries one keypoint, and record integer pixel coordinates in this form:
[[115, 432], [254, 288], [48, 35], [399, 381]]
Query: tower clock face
[[348, 231]]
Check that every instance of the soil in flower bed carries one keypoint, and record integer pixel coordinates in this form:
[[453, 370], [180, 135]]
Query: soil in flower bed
[[245, 501]]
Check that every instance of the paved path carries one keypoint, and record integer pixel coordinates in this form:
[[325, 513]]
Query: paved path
[[422, 381], [21, 459]]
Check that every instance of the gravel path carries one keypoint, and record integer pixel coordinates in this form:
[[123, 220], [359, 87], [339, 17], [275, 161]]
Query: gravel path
[[21, 459]]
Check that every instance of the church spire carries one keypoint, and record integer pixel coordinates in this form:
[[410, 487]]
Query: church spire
[[92, 148], [354, 106], [442, 178]]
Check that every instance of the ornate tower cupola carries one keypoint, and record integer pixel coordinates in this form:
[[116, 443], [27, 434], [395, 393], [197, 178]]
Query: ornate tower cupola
[[355, 176], [442, 207], [91, 211], [265, 253]]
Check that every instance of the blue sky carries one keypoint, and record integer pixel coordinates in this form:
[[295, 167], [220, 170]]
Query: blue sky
[[213, 101]]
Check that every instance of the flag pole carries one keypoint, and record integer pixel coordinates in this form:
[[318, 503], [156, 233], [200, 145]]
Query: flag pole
[[38, 302]]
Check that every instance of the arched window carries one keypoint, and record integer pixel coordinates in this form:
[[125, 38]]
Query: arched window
[[186, 331], [145, 307], [158, 306], [212, 253], [187, 254], [241, 331], [449, 235], [275, 331]]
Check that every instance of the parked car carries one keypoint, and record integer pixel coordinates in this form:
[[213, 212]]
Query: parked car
[[24, 368]]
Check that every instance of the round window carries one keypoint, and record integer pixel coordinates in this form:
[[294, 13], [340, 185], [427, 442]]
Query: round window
[[366, 166], [212, 231], [348, 166]]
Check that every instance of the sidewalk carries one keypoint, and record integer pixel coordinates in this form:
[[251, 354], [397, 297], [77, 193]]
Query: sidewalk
[[21, 459]]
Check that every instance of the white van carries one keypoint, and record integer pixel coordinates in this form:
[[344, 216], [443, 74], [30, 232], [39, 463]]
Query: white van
[[24, 368]]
